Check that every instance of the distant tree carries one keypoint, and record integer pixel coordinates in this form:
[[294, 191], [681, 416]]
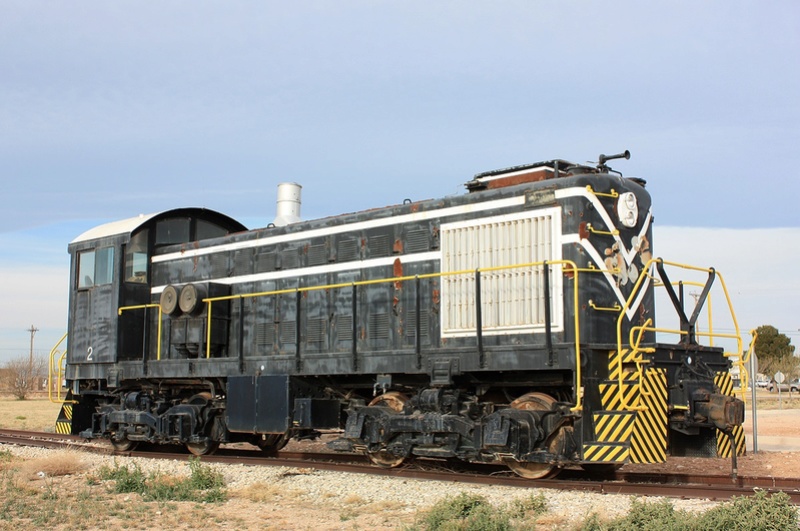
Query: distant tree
[[775, 352], [20, 377]]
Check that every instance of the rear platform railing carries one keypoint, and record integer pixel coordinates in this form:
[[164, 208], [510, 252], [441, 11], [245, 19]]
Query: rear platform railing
[[688, 332]]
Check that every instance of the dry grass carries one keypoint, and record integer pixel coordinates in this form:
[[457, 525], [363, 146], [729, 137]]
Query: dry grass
[[60, 463], [35, 414], [354, 499], [263, 492]]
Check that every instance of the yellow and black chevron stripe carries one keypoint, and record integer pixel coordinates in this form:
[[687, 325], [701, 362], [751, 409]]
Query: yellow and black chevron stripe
[[611, 397], [724, 381], [606, 452], [612, 394], [64, 421], [649, 442], [614, 426], [614, 365]]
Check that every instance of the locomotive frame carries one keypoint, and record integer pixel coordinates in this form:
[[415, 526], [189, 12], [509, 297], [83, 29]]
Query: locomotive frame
[[514, 323]]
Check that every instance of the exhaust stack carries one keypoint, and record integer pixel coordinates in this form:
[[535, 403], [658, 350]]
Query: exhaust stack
[[288, 204]]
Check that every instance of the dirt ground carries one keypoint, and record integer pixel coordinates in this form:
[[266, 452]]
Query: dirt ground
[[778, 450], [269, 507]]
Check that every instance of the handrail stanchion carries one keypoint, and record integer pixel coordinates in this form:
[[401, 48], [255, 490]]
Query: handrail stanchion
[[418, 320], [479, 319], [548, 329], [298, 329], [355, 327]]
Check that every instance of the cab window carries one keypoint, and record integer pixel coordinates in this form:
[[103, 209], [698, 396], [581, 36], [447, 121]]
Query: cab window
[[136, 258], [176, 230], [206, 229], [96, 267]]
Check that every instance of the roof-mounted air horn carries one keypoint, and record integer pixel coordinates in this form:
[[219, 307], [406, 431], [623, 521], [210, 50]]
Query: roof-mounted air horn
[[601, 161]]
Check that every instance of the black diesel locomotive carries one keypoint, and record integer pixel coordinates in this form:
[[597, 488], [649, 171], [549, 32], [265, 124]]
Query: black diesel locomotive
[[514, 323]]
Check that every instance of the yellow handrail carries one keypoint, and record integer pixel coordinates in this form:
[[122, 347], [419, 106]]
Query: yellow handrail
[[158, 333], [568, 266], [58, 370], [591, 229], [710, 334], [613, 192], [744, 375], [614, 308]]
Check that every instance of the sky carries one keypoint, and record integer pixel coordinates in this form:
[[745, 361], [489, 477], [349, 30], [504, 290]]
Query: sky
[[111, 109]]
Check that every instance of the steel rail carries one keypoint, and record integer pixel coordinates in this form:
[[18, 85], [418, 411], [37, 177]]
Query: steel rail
[[704, 486]]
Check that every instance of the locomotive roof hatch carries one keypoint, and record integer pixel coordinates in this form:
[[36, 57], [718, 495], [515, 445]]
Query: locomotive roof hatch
[[540, 171]]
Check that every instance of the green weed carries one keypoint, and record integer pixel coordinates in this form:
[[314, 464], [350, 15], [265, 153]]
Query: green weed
[[466, 512], [203, 484]]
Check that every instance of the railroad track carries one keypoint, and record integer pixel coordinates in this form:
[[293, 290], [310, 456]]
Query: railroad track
[[714, 487]]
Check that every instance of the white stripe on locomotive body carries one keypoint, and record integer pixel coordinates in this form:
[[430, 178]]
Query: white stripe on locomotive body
[[349, 227], [322, 270], [558, 241], [589, 248], [627, 254]]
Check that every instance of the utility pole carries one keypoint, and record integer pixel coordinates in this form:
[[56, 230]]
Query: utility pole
[[33, 331]]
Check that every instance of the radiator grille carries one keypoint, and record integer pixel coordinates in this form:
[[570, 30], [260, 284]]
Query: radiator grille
[[511, 299]]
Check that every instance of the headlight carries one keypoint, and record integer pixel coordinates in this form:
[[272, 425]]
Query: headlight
[[628, 209]]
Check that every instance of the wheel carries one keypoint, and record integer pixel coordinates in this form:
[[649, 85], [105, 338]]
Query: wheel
[[125, 445], [534, 402], [206, 447], [271, 443], [394, 401]]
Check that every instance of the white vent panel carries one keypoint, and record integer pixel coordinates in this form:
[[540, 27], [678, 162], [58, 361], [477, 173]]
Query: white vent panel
[[512, 300]]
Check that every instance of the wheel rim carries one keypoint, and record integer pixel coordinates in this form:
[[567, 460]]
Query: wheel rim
[[207, 447], [533, 402], [125, 445], [270, 443], [394, 401]]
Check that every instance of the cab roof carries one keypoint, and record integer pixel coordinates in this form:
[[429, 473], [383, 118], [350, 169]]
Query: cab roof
[[130, 225]]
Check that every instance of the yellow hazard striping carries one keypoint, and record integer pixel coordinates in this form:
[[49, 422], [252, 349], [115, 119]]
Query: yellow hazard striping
[[611, 397], [606, 453], [649, 442], [724, 381], [614, 426]]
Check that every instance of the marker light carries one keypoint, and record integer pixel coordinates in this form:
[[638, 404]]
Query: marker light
[[628, 209]]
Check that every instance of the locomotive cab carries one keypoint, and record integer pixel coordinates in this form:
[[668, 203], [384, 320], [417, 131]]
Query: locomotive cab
[[110, 269]]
